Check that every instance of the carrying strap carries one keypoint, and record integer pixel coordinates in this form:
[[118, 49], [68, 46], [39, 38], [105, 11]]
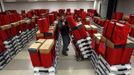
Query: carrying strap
[[77, 27]]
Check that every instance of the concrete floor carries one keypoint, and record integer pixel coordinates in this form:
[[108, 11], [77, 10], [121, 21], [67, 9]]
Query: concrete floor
[[21, 65]]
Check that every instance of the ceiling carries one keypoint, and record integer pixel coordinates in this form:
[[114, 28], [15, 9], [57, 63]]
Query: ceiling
[[41, 0]]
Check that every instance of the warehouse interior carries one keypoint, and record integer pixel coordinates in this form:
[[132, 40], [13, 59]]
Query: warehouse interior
[[66, 37]]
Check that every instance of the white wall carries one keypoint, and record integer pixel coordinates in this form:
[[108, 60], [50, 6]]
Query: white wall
[[126, 6], [103, 11], [49, 5]]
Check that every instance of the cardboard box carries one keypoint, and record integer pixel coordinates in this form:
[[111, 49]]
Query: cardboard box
[[90, 27], [109, 44], [129, 44], [132, 26], [15, 24], [38, 34], [52, 27], [35, 46], [22, 21], [34, 55], [87, 27], [126, 18], [103, 38], [93, 27], [97, 37], [50, 33], [41, 41], [5, 27], [47, 46], [28, 21]]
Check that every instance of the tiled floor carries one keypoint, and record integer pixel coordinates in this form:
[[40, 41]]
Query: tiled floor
[[21, 65]]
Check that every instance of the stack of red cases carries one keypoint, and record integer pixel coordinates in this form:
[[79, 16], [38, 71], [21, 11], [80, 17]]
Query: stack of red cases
[[76, 35], [83, 15], [82, 32], [110, 29], [46, 56], [120, 34], [43, 25], [71, 21], [101, 48], [117, 16], [46, 60], [105, 27], [51, 18], [118, 56], [34, 55], [40, 24], [113, 55], [126, 55]]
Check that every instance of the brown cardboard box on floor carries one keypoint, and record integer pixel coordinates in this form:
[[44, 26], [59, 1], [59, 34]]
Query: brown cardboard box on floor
[[47, 46], [39, 35], [41, 41], [35, 46], [34, 54]]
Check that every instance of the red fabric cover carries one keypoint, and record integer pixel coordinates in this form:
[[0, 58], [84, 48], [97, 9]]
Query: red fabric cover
[[55, 14], [76, 35], [109, 31], [93, 44], [132, 32], [92, 32], [46, 59], [4, 35], [101, 49], [71, 21], [2, 47], [117, 15], [81, 10], [126, 55], [131, 19], [51, 18], [35, 59], [68, 10], [82, 32], [61, 11], [83, 15], [113, 55], [40, 24], [30, 14], [85, 22], [53, 52], [120, 34], [14, 31], [43, 25], [102, 22], [105, 27]]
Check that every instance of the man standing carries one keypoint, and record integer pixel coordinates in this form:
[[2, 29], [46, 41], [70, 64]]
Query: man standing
[[64, 29]]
